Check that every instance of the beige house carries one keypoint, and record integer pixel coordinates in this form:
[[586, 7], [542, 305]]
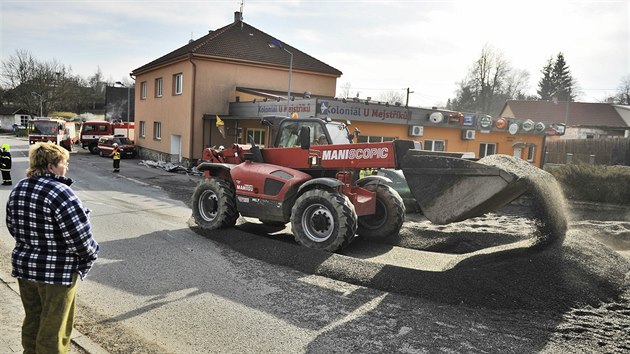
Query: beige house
[[176, 91], [583, 120], [234, 74]]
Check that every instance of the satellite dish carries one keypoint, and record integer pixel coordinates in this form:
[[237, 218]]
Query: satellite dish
[[436, 117]]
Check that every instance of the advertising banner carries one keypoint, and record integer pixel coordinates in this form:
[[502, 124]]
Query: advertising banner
[[360, 111]]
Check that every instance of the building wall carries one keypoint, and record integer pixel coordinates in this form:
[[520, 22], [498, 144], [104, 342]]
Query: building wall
[[505, 143], [213, 84], [172, 111]]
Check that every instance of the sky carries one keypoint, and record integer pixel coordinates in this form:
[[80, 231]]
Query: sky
[[380, 46]]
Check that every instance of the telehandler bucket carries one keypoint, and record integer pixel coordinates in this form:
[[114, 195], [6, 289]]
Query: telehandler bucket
[[451, 189]]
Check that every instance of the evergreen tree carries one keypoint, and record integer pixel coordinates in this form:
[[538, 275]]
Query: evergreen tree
[[557, 82], [545, 85]]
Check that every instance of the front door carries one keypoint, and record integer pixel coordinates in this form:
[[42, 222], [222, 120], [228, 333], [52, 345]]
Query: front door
[[518, 152], [176, 148]]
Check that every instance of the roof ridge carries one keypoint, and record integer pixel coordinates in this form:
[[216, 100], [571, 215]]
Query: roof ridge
[[212, 35], [240, 41]]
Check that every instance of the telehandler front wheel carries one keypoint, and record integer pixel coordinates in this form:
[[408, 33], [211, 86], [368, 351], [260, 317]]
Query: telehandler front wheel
[[389, 216], [214, 204], [323, 220]]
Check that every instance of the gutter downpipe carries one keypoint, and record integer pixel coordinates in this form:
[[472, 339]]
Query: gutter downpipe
[[192, 108], [134, 109]]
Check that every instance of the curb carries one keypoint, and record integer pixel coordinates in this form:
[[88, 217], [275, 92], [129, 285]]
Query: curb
[[78, 338]]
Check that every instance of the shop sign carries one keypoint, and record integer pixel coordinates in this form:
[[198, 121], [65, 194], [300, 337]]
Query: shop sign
[[362, 112], [469, 120], [513, 128], [304, 108], [485, 122], [528, 125]]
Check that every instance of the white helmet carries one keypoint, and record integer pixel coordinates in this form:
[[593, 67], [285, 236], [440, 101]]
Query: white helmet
[[115, 145]]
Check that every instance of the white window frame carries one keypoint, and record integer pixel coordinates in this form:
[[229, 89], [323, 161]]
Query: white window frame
[[531, 152], [375, 138], [178, 84], [143, 129], [485, 147], [157, 130], [259, 136], [430, 144], [159, 87], [143, 90]]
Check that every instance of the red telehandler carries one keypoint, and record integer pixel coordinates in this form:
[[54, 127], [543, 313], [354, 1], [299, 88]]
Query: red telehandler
[[310, 177]]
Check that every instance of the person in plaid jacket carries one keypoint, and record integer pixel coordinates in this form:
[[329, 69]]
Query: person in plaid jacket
[[53, 247]]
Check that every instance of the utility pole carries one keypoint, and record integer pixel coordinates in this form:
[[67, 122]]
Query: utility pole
[[408, 92]]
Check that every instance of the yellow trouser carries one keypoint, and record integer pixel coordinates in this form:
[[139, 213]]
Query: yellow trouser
[[49, 316]]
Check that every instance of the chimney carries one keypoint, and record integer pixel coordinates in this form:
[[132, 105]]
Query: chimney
[[238, 16]]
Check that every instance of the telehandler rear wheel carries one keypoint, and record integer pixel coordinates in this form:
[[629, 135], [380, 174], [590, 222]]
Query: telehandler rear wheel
[[389, 216], [214, 204], [323, 220]]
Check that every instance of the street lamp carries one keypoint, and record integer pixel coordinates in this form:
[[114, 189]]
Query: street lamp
[[128, 103], [35, 94], [274, 43]]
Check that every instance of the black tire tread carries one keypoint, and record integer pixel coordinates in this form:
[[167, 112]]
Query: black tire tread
[[395, 206], [227, 204], [345, 217]]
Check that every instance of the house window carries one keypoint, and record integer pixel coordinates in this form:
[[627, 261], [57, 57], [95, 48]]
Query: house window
[[531, 152], [23, 120], [374, 138], [158, 87], [486, 149], [259, 136], [143, 129], [143, 90], [434, 145], [157, 130], [178, 81]]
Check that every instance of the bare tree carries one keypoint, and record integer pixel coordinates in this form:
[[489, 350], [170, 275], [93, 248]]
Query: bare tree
[[346, 90], [28, 83], [392, 97], [489, 83], [623, 91]]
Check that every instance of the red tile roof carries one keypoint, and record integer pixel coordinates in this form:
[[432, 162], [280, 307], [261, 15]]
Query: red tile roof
[[239, 41], [573, 113]]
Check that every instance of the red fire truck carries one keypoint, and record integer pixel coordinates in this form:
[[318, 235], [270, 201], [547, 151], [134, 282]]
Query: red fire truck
[[57, 131], [93, 130]]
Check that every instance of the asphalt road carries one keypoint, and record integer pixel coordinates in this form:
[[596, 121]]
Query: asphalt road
[[161, 285]]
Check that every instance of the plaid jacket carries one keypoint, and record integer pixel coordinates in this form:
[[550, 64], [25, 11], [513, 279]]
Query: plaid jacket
[[52, 231]]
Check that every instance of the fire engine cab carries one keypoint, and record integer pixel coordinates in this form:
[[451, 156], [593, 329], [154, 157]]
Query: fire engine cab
[[93, 130]]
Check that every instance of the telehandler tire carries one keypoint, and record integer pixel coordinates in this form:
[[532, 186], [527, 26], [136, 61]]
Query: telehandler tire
[[389, 217], [214, 204], [323, 220]]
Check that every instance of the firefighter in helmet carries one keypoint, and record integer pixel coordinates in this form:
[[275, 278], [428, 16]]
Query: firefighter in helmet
[[116, 157], [5, 165]]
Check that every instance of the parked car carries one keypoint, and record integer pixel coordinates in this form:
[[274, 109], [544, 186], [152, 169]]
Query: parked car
[[125, 146]]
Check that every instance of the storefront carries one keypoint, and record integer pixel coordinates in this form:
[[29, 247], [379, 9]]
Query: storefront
[[434, 129]]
